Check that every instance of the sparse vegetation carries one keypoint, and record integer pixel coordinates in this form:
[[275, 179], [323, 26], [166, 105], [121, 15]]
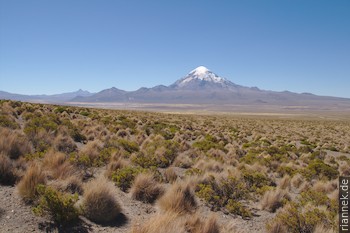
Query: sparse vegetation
[[174, 165]]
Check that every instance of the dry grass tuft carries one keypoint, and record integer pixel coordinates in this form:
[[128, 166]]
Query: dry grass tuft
[[64, 143], [145, 188], [27, 185], [57, 166], [99, 201], [285, 182], [273, 199], [210, 226], [297, 180], [13, 144], [325, 187], [178, 199], [115, 165], [165, 222], [183, 160], [320, 228], [171, 222], [170, 175], [277, 227], [92, 149], [72, 184], [53, 159]]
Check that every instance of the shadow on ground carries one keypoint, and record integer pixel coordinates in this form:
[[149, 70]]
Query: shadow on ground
[[119, 221], [2, 212], [79, 227], [82, 226]]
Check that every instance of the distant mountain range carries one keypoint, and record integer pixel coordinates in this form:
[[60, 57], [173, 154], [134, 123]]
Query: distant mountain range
[[57, 98], [200, 86]]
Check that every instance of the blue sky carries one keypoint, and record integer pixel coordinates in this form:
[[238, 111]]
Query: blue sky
[[51, 47]]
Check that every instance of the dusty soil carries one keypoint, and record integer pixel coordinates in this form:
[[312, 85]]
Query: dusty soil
[[17, 217]]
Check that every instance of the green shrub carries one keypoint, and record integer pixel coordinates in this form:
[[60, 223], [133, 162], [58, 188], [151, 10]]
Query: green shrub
[[318, 155], [209, 142], [59, 206], [156, 153], [319, 198], [193, 172], [61, 109], [167, 131], [48, 123], [85, 113], [251, 157], [298, 219], [255, 180], [235, 207], [283, 170], [225, 192], [124, 177], [317, 168], [36, 155], [6, 121], [129, 146], [126, 122]]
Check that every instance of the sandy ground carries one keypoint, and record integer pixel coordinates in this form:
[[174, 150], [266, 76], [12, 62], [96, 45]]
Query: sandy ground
[[17, 217]]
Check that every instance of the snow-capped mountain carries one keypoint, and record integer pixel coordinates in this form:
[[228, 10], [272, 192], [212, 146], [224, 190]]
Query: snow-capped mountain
[[200, 86], [202, 77]]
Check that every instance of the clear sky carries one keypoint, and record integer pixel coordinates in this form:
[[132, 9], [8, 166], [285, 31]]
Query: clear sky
[[59, 46]]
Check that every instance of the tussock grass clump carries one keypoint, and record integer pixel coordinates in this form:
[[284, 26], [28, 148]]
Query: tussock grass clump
[[170, 175], [57, 165], [320, 228], [277, 227], [178, 199], [64, 143], [274, 199], [8, 121], [99, 201], [27, 187], [115, 165], [72, 184], [171, 222], [165, 222], [195, 224], [303, 216], [183, 160], [297, 180], [7, 174], [13, 144], [285, 182], [145, 188], [53, 159]]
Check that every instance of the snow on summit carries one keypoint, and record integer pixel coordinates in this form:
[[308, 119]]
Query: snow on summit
[[202, 78], [200, 70], [202, 73]]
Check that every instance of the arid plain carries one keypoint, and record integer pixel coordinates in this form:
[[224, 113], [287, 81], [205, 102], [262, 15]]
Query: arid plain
[[83, 169]]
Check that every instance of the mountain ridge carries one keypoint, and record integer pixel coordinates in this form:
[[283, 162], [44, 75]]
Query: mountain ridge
[[199, 86]]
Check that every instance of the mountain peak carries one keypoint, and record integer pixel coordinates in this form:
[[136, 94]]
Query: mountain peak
[[200, 78], [200, 70]]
